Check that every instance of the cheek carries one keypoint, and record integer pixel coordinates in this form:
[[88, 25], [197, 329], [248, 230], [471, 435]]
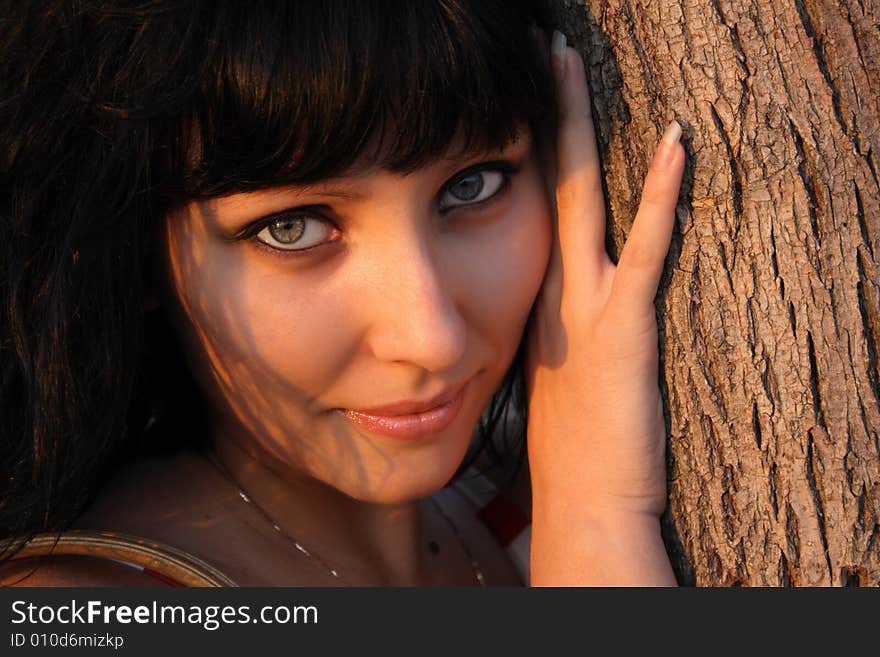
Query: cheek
[[273, 336], [508, 268], [299, 336], [530, 249], [255, 333]]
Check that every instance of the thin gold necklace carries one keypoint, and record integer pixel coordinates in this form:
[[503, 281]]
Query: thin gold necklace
[[479, 578]]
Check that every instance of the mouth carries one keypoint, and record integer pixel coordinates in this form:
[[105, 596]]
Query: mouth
[[410, 420]]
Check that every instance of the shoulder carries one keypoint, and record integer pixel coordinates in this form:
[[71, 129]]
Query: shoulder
[[150, 498], [71, 571], [150, 494], [179, 501]]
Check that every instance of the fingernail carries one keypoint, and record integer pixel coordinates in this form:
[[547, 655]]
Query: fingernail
[[673, 133], [557, 52], [665, 150]]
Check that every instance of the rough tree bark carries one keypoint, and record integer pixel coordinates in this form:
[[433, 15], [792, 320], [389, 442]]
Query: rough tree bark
[[770, 306]]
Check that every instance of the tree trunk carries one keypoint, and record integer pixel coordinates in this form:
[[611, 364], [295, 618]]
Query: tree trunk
[[770, 307]]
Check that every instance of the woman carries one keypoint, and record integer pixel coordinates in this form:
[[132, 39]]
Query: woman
[[312, 242]]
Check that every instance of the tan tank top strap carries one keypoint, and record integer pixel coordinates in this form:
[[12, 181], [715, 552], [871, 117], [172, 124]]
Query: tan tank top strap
[[157, 558]]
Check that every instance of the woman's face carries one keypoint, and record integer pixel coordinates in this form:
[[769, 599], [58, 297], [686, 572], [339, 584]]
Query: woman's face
[[357, 292]]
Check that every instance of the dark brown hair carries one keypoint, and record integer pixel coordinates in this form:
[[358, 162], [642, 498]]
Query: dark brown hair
[[111, 113]]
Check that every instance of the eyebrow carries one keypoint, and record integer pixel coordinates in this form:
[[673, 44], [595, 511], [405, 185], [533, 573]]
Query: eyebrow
[[325, 189], [523, 142]]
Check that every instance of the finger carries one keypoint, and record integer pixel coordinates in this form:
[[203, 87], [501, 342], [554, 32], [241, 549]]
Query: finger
[[579, 199], [641, 261]]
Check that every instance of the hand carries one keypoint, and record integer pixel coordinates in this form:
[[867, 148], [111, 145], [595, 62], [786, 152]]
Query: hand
[[596, 436]]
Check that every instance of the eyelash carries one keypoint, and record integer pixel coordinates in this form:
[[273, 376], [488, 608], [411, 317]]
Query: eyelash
[[318, 212]]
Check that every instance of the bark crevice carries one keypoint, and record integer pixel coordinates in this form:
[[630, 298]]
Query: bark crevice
[[860, 217], [813, 479], [756, 425], [735, 173], [869, 158], [809, 186], [814, 383]]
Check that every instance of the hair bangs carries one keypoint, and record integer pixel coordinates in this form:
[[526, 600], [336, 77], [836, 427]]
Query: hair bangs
[[305, 91]]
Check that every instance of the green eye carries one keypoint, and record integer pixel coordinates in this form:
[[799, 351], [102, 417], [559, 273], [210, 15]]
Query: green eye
[[287, 230], [295, 232]]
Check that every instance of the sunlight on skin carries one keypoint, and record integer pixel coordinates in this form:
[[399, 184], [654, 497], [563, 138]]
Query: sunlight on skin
[[408, 302]]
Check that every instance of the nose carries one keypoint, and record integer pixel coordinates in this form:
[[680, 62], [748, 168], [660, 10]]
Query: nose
[[415, 318]]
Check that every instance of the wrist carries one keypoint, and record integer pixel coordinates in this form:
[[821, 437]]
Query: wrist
[[598, 549], [607, 520], [595, 504]]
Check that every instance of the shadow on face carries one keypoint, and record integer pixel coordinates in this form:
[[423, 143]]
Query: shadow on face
[[406, 285]]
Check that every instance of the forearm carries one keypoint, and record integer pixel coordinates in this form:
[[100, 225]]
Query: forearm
[[572, 550]]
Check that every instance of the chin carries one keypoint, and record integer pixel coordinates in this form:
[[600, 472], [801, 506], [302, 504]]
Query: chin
[[392, 472], [413, 476]]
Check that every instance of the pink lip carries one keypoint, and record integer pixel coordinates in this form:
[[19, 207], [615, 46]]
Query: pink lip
[[411, 425], [413, 407]]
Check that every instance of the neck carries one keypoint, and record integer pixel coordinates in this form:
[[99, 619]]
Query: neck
[[365, 542]]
